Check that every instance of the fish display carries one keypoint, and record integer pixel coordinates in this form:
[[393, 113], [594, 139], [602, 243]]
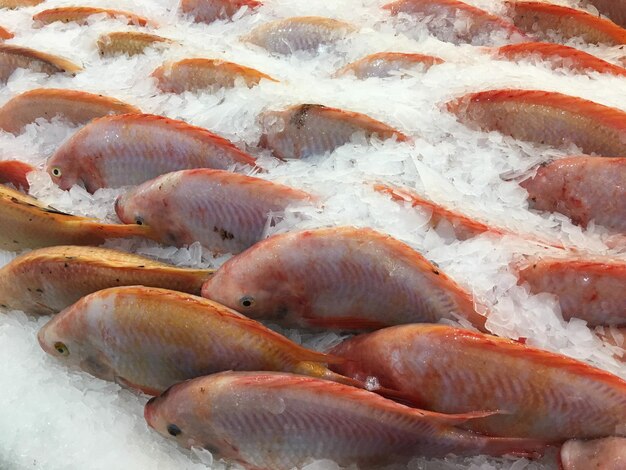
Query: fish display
[[14, 172], [539, 394], [226, 212], [231, 413], [207, 11], [81, 15], [128, 42], [48, 280], [605, 454], [387, 64], [343, 278], [14, 57], [76, 107], [129, 149], [205, 74]]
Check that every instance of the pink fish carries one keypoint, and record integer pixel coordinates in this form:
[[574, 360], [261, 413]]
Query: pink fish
[[207, 11], [14, 57], [14, 172], [81, 15], [384, 64], [601, 454]]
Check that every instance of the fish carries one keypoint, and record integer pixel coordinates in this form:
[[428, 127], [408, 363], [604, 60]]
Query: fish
[[309, 129], [14, 57], [556, 23], [583, 188], [205, 74], [27, 223], [303, 33], [587, 288], [48, 280], [13, 4], [342, 278], [615, 10], [128, 42], [5, 34], [129, 149], [81, 15], [545, 118], [601, 454], [456, 20], [387, 64], [207, 11], [14, 172], [76, 107], [226, 212], [280, 421], [539, 394], [559, 56]]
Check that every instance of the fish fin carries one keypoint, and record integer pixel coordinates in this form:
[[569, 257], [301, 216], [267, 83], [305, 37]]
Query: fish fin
[[345, 323], [128, 384], [14, 172]]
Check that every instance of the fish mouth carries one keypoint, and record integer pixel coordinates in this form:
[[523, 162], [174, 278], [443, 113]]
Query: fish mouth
[[148, 411]]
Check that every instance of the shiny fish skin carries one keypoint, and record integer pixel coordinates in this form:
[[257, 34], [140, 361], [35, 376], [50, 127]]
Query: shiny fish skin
[[149, 339], [13, 57], [5, 34], [545, 117], [343, 278], [77, 107], [204, 74], [80, 15], [384, 64], [130, 149], [539, 394], [615, 10], [601, 454], [14, 172], [592, 290], [583, 188], [302, 33], [280, 421], [128, 42], [207, 11], [226, 212], [48, 280], [309, 129]]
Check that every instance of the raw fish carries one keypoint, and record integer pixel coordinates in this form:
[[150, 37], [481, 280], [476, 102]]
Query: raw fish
[[14, 57], [207, 11], [5, 34], [81, 15], [12, 4], [387, 64], [14, 172], [128, 42], [601, 454], [614, 9]]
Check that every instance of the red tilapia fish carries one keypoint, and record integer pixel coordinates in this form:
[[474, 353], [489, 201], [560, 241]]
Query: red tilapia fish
[[478, 24], [14, 57], [559, 56], [387, 64], [5, 34], [600, 454], [14, 172], [12, 4], [226, 212], [48, 280], [539, 394], [614, 9], [309, 129], [303, 33], [129, 149], [545, 117], [205, 74], [547, 21], [592, 290], [128, 42], [77, 107], [282, 421], [342, 278], [583, 188], [81, 15], [207, 11]]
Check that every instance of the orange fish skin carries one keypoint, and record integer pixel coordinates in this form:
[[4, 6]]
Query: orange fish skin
[[600, 454], [14, 172], [207, 11], [77, 107], [128, 42], [204, 74], [80, 15], [592, 290], [539, 394], [383, 64], [341, 278], [309, 129], [309, 419], [13, 4], [13, 57], [5, 34], [129, 149], [547, 118], [582, 188], [559, 56], [614, 9], [48, 280], [538, 18]]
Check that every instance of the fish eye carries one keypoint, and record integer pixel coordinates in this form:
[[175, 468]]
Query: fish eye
[[61, 348], [56, 171], [246, 301], [173, 430], [139, 220]]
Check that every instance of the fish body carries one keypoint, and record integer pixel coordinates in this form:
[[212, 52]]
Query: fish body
[[600, 454], [14, 57], [341, 278], [13, 4], [539, 394], [615, 10], [81, 15], [309, 129], [303, 33], [204, 74], [77, 107], [224, 211], [207, 11], [387, 64], [128, 42], [48, 280], [583, 188], [546, 118], [546, 20], [14, 172], [129, 149], [5, 34]]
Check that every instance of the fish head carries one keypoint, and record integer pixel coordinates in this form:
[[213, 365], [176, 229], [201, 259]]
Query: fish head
[[63, 170]]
